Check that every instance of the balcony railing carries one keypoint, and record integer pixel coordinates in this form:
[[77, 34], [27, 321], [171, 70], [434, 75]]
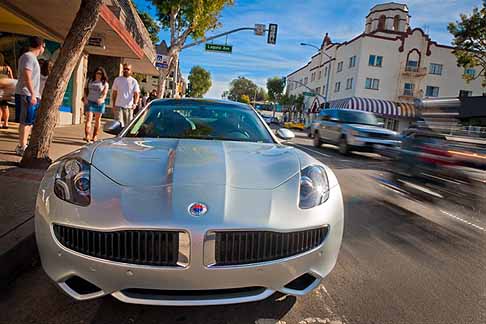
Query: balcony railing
[[414, 71]]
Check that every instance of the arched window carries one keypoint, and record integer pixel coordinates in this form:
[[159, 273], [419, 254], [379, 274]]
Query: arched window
[[381, 22], [396, 23]]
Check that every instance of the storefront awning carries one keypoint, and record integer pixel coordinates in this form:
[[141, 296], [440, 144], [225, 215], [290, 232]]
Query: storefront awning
[[377, 106]]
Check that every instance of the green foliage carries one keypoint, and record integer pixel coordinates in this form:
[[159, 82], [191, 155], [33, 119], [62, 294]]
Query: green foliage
[[189, 17], [470, 42], [151, 25], [243, 86], [200, 82], [275, 88], [244, 99]]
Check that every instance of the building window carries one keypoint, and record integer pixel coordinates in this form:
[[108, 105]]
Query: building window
[[323, 89], [373, 84], [375, 61], [382, 22], [318, 90], [326, 71], [337, 87], [465, 93], [352, 61], [313, 76], [435, 69], [306, 80], [340, 66], [408, 89], [431, 91], [396, 23], [349, 83], [319, 75], [470, 72]]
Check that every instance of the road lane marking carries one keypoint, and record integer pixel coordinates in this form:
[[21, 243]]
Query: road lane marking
[[306, 148], [463, 220]]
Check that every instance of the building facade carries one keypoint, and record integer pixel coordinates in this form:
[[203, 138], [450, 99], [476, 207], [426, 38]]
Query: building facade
[[383, 70]]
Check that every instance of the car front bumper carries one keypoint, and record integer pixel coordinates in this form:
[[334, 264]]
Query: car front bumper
[[119, 279], [368, 144]]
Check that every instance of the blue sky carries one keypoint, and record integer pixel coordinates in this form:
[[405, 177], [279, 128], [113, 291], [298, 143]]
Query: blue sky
[[298, 21]]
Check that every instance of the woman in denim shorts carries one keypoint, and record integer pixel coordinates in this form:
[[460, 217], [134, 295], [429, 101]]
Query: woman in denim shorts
[[94, 102]]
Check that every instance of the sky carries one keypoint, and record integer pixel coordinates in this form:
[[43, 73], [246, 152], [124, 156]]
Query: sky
[[298, 21]]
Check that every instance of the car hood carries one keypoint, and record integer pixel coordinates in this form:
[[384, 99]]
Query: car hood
[[161, 162], [372, 129]]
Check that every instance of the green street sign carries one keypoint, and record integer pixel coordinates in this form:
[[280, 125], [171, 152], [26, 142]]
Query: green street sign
[[310, 94], [219, 48]]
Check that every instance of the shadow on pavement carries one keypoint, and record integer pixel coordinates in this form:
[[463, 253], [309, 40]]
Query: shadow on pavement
[[274, 308]]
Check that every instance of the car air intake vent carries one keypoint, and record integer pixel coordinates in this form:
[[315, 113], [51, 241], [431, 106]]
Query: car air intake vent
[[241, 247], [155, 248]]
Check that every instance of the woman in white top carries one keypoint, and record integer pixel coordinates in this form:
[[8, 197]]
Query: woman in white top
[[94, 102]]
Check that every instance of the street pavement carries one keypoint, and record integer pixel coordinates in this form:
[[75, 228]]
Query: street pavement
[[400, 262]]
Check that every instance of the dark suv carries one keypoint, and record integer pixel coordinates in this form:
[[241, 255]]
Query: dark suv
[[351, 130]]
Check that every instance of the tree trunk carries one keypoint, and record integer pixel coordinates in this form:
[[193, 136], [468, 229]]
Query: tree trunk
[[37, 152]]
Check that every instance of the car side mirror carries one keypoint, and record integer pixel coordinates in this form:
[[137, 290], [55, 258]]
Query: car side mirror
[[285, 134], [113, 127]]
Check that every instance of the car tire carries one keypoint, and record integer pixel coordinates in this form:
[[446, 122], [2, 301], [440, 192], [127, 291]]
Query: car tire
[[343, 146], [317, 140]]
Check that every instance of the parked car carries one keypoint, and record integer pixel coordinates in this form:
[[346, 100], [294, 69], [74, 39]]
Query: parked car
[[294, 125], [195, 202], [352, 130], [270, 120]]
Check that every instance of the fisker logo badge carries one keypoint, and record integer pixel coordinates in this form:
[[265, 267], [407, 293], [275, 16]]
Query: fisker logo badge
[[197, 209]]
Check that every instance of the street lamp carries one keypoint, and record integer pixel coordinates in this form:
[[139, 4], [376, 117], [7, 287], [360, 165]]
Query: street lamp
[[320, 63]]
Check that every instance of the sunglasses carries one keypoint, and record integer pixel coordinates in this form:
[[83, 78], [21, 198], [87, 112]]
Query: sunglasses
[[126, 69], [98, 72]]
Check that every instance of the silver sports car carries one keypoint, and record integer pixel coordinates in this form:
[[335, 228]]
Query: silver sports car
[[195, 202]]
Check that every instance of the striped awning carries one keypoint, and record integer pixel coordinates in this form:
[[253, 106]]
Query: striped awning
[[377, 106]]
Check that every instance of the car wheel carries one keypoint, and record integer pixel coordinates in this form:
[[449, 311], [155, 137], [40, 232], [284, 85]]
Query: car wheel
[[343, 146], [317, 140]]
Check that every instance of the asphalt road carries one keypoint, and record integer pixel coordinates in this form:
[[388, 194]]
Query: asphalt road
[[400, 262]]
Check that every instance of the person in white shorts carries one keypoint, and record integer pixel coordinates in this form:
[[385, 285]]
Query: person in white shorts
[[126, 93]]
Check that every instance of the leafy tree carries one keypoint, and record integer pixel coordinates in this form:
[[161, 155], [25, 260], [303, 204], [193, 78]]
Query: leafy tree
[[37, 153], [151, 25], [470, 41], [244, 99], [200, 82], [186, 18], [275, 87], [243, 86]]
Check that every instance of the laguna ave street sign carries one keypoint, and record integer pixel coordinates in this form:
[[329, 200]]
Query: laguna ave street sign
[[162, 61], [219, 48]]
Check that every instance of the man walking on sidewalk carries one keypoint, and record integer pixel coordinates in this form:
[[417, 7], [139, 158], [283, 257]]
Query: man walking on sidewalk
[[125, 95], [27, 91]]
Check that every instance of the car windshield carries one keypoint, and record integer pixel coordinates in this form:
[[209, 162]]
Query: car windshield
[[193, 119], [354, 117]]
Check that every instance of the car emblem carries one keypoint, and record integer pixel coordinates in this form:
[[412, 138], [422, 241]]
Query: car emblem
[[197, 209]]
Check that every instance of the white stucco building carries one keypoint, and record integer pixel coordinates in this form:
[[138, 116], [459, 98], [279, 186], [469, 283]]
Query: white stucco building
[[383, 70]]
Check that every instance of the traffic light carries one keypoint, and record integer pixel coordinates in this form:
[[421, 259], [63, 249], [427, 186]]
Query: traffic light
[[272, 34]]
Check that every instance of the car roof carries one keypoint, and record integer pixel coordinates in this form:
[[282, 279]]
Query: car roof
[[186, 101]]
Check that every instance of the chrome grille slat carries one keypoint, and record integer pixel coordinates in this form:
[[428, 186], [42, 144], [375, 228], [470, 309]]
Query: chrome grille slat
[[231, 247], [143, 247]]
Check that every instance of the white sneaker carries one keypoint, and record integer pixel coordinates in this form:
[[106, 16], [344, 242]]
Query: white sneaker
[[20, 150]]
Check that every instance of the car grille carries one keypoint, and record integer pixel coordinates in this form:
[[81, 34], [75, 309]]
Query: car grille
[[380, 136], [158, 248], [241, 247]]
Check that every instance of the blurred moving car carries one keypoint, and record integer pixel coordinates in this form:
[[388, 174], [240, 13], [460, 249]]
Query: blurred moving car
[[352, 130], [294, 125]]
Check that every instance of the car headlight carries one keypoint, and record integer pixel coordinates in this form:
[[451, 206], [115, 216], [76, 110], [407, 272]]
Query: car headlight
[[72, 182], [357, 133], [314, 187]]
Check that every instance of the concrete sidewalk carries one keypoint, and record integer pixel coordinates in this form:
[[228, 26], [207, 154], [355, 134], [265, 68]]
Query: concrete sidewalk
[[18, 189]]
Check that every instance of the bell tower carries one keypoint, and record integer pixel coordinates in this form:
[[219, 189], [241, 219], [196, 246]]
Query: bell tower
[[388, 17]]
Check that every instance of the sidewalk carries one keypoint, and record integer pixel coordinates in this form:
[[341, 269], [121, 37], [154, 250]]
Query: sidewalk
[[18, 188]]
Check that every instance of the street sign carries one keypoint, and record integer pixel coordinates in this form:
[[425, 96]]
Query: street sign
[[310, 94], [259, 29], [272, 34], [162, 61], [219, 48]]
